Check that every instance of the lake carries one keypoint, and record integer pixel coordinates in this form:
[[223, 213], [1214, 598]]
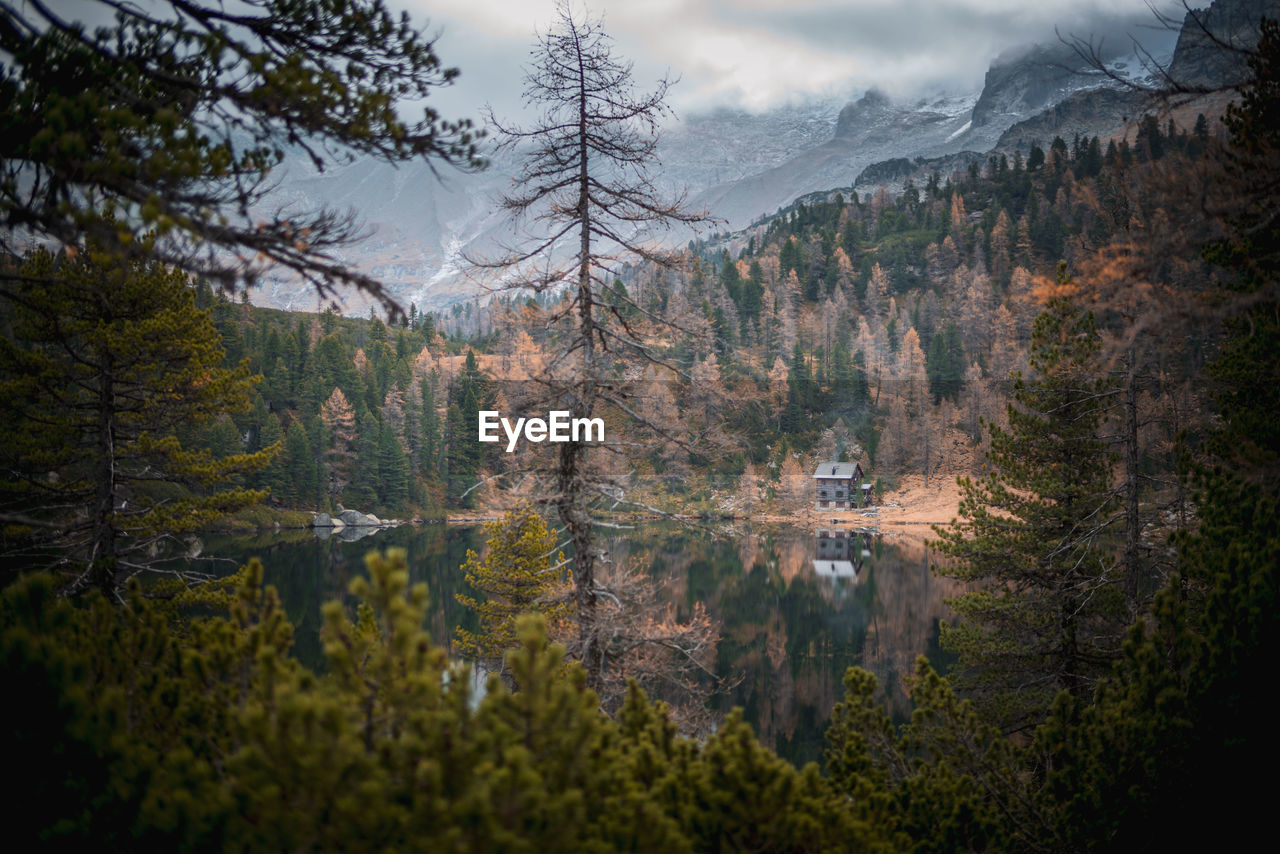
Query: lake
[[795, 607]]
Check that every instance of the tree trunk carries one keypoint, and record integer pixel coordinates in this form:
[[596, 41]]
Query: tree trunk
[[1133, 522], [102, 566], [572, 507]]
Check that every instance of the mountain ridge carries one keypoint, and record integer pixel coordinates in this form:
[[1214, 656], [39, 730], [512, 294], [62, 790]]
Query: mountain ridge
[[739, 167]]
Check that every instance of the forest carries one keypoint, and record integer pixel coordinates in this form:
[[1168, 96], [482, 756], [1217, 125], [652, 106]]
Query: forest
[[1086, 336], [887, 327]]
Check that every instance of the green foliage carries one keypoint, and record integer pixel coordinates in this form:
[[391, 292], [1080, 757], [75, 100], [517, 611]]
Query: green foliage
[[386, 458], [746, 799], [1186, 715], [169, 117], [205, 733], [946, 781], [522, 572], [464, 457], [946, 364], [1046, 616], [1185, 722], [299, 460], [106, 371]]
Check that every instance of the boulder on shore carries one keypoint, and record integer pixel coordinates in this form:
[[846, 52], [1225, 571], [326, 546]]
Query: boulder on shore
[[351, 519]]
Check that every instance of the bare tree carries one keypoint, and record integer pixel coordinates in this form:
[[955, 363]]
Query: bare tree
[[1214, 49], [586, 191]]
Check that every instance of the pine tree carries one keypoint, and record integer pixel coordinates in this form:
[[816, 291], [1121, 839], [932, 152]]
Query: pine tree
[[275, 476], [168, 117], [521, 572], [340, 441], [431, 430], [586, 180], [946, 364], [1049, 610], [465, 456], [364, 490], [302, 487], [106, 370], [393, 471]]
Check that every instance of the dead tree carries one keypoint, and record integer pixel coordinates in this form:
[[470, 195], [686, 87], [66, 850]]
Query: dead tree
[[586, 193]]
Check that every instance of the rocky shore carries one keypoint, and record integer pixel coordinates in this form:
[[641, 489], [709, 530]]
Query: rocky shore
[[350, 524]]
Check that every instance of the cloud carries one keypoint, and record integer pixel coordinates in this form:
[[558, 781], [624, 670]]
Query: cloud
[[756, 54]]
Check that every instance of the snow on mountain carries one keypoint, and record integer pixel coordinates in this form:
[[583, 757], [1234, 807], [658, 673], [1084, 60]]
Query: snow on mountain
[[421, 226], [736, 165]]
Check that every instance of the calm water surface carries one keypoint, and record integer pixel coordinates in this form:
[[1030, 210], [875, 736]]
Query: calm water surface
[[796, 607]]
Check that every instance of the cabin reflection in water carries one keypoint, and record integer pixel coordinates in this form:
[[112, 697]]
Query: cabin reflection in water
[[839, 553]]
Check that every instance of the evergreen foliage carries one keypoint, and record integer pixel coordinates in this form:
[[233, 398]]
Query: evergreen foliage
[[522, 572], [1045, 617], [946, 364], [108, 373], [170, 117], [213, 736], [1186, 716], [470, 394]]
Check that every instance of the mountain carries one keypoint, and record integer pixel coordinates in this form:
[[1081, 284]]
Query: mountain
[[736, 165], [875, 128], [1200, 60], [1207, 61], [740, 166], [1025, 83], [420, 224], [867, 130]]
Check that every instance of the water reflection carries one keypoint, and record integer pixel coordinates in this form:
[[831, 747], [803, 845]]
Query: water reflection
[[796, 607], [839, 553], [347, 533]]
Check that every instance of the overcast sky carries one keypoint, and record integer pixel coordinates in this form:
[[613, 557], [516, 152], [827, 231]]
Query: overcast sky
[[757, 54]]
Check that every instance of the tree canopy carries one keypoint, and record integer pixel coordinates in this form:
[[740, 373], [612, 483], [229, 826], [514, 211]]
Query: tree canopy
[[1044, 617], [522, 572], [171, 118], [108, 375]]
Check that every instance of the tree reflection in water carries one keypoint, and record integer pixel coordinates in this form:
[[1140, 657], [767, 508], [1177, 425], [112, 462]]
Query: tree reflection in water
[[796, 607]]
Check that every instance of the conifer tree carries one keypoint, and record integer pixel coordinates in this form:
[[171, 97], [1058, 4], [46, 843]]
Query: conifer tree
[[393, 471], [275, 476], [364, 491], [104, 370], [586, 182], [521, 572], [301, 487], [168, 116], [1049, 612], [465, 455], [946, 364], [339, 420]]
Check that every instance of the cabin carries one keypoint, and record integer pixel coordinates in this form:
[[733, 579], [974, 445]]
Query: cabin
[[840, 486]]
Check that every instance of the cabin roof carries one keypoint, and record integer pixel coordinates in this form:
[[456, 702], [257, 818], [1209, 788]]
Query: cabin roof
[[842, 471]]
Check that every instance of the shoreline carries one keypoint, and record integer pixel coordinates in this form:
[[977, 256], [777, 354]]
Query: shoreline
[[909, 511]]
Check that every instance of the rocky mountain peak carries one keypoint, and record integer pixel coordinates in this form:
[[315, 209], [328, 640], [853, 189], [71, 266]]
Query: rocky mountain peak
[[1199, 59], [1025, 82], [872, 108]]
